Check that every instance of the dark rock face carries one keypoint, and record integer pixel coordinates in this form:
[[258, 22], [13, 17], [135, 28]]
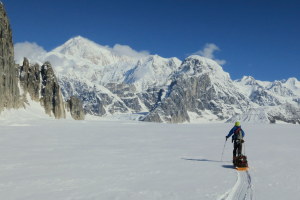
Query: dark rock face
[[9, 91], [151, 97], [30, 79], [193, 89], [74, 105], [111, 98], [51, 96], [42, 85], [127, 93], [93, 100]]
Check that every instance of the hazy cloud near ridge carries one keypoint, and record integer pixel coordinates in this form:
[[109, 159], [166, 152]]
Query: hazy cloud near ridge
[[36, 53], [30, 50], [208, 51], [125, 50]]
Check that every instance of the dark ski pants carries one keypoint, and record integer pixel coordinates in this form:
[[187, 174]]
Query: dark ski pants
[[237, 148]]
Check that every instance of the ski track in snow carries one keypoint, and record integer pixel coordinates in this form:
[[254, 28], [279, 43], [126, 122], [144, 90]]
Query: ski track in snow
[[242, 190]]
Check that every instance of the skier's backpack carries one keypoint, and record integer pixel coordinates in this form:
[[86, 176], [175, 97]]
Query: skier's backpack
[[238, 135]]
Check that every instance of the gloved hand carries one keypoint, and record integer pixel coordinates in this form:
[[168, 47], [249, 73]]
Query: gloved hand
[[226, 137]]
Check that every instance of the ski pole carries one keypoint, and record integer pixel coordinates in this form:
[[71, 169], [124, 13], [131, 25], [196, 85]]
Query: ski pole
[[223, 150]]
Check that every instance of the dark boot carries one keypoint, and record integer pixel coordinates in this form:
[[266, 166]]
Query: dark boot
[[234, 160]]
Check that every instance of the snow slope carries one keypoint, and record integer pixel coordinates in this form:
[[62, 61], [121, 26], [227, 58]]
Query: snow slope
[[65, 159], [83, 59]]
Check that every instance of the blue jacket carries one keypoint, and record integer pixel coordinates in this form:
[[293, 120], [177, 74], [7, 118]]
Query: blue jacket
[[233, 130]]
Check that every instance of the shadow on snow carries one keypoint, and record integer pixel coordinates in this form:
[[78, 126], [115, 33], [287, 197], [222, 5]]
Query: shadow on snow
[[207, 160]]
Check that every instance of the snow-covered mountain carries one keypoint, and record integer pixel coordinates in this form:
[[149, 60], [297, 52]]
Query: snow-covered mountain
[[107, 80], [278, 100], [270, 93], [81, 58], [111, 81]]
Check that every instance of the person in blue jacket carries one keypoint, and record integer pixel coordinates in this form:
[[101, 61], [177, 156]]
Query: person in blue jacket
[[237, 139]]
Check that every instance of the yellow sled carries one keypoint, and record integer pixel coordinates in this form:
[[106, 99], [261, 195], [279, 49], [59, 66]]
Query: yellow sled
[[240, 162], [242, 168]]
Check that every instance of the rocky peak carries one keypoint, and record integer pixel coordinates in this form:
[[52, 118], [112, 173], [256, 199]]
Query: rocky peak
[[248, 80], [9, 91], [83, 48], [51, 96], [30, 79], [293, 84], [199, 87], [293, 81], [75, 107], [42, 86], [197, 65]]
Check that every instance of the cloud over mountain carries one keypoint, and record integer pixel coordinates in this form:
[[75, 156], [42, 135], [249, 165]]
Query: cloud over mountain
[[208, 51], [128, 51], [30, 50]]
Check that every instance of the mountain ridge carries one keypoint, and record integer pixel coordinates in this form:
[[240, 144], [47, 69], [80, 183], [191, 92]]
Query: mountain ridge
[[122, 84]]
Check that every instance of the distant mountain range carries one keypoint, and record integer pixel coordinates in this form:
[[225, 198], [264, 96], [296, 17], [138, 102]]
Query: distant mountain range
[[157, 89]]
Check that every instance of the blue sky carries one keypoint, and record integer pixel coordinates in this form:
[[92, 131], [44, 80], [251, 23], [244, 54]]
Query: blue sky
[[258, 38]]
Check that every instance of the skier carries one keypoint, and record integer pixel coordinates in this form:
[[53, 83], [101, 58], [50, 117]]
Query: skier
[[237, 139]]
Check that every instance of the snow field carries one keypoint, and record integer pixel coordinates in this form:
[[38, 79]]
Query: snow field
[[274, 157], [65, 159]]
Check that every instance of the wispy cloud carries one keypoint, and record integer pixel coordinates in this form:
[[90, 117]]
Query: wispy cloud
[[125, 50], [208, 51], [32, 51]]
